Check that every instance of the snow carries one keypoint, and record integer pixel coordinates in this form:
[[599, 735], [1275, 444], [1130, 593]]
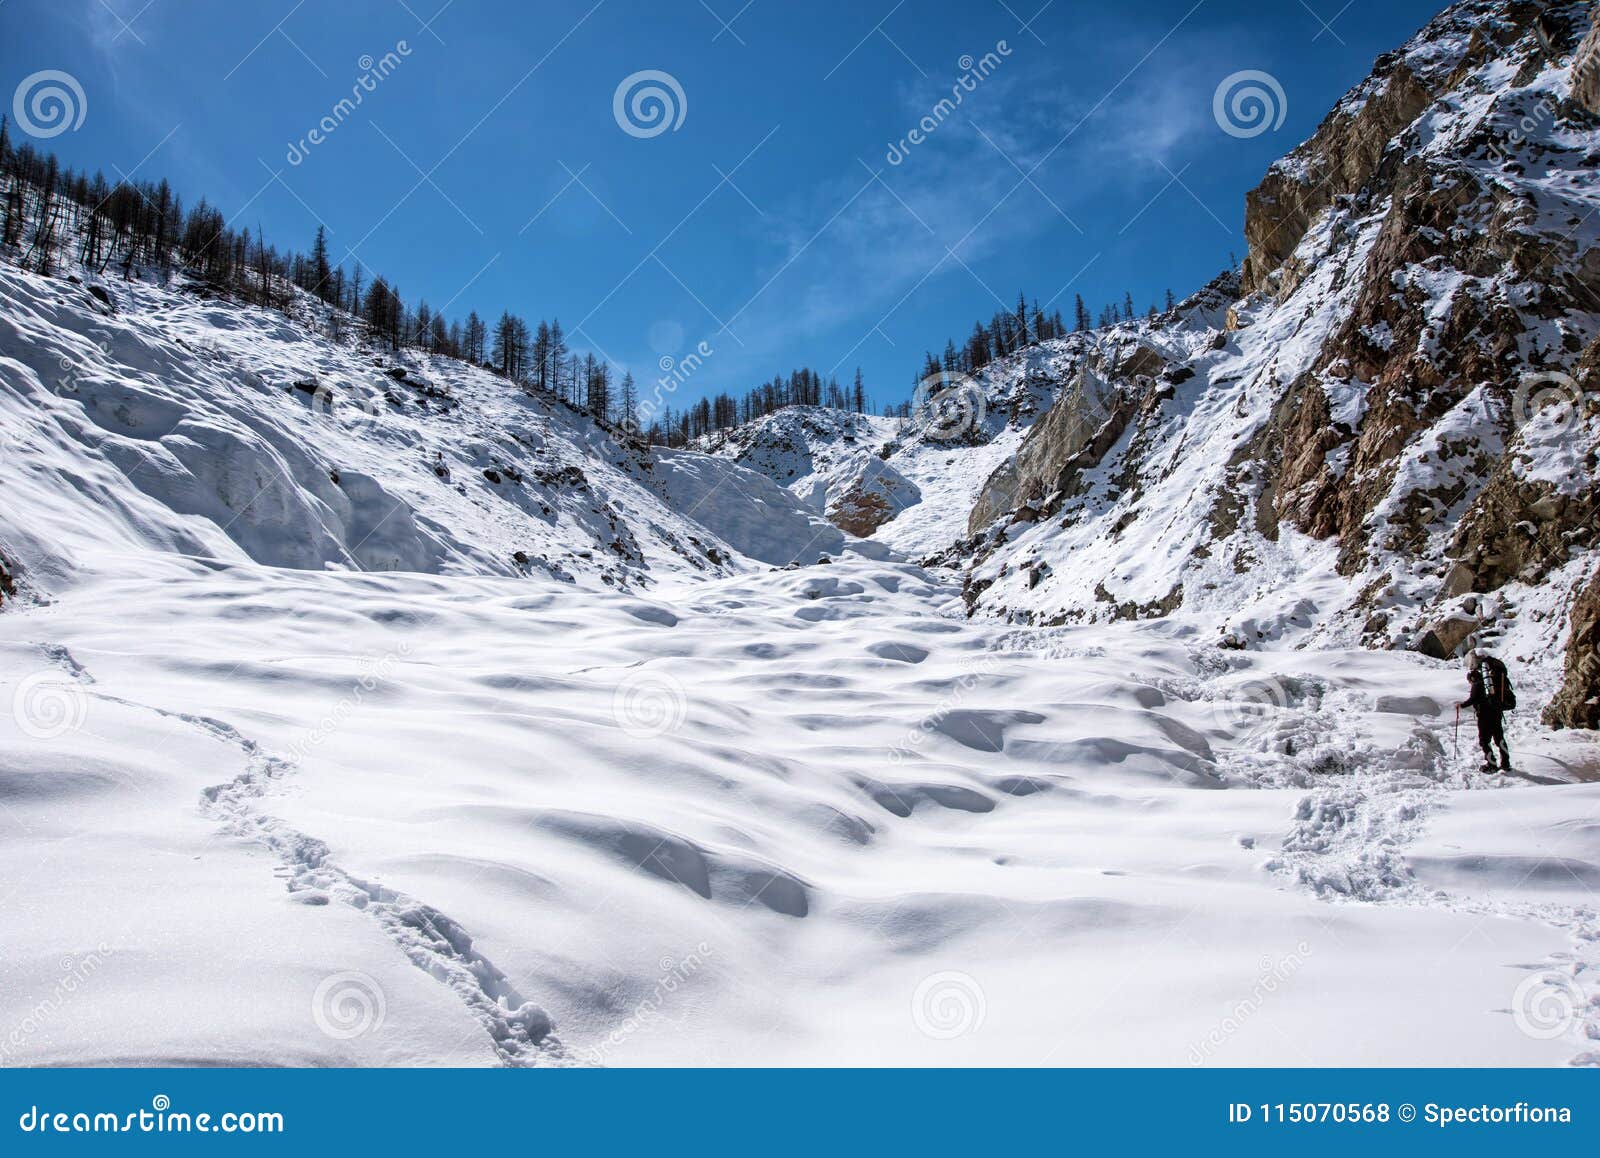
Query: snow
[[747, 510], [797, 795], [400, 717], [175, 423]]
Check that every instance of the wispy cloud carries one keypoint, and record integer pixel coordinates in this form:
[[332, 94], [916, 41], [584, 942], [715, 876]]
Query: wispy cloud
[[850, 253]]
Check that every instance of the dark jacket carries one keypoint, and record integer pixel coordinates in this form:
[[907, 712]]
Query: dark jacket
[[1480, 701]]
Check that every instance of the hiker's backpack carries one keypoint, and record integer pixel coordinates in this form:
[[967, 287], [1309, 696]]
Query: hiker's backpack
[[1498, 684]]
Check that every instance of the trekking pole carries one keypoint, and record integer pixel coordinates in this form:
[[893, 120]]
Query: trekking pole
[[1458, 733]]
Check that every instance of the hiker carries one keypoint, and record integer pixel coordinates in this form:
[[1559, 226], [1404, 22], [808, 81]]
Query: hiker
[[1490, 696]]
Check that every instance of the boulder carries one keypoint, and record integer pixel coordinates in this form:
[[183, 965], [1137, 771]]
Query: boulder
[[1446, 638], [866, 493]]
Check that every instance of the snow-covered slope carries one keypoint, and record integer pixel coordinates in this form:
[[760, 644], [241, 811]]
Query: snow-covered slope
[[178, 422], [1405, 393]]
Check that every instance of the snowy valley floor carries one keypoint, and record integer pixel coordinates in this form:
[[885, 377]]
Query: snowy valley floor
[[263, 816]]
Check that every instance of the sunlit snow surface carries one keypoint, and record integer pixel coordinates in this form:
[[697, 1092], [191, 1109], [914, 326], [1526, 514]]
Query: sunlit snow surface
[[793, 817]]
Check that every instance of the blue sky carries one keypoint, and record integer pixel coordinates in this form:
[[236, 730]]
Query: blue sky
[[488, 170]]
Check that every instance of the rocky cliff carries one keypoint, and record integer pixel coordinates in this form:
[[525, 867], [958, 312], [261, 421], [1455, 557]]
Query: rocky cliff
[[1399, 408]]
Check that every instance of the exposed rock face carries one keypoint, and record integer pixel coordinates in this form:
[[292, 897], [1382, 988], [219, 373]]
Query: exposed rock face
[[1341, 158], [867, 493], [1112, 378], [1577, 704], [1409, 378], [1586, 70], [1089, 415]]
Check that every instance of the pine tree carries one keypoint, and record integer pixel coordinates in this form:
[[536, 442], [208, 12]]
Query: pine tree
[[558, 354], [597, 393], [505, 338], [1080, 315], [376, 308], [978, 347], [321, 273], [573, 378], [541, 356], [628, 404], [422, 325]]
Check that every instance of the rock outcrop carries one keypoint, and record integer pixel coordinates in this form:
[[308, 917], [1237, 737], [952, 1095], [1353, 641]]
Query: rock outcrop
[[865, 493], [1073, 434], [1577, 704], [1405, 374], [1340, 159], [1586, 70]]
